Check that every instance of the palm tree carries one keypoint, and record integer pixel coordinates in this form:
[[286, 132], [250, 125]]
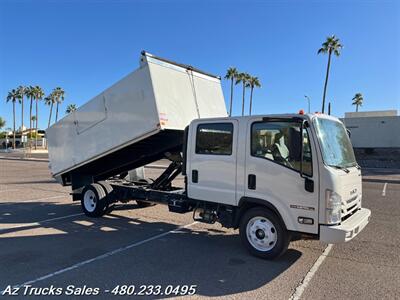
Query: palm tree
[[30, 94], [243, 78], [21, 90], [70, 108], [358, 100], [50, 100], [231, 74], [331, 45], [33, 119], [252, 83], [39, 94], [59, 97], [13, 96], [2, 123]]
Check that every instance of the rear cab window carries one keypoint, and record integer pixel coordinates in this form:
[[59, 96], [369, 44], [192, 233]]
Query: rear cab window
[[214, 139]]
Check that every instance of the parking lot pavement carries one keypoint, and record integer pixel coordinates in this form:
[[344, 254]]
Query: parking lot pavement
[[46, 240]]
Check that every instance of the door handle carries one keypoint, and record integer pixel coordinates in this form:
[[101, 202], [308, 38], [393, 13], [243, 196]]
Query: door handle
[[195, 176], [251, 182]]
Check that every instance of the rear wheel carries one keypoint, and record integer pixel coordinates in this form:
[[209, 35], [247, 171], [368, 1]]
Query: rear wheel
[[263, 233], [108, 189], [94, 200]]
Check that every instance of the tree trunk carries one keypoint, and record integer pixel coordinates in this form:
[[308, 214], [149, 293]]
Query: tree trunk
[[230, 106], [14, 125], [37, 119], [51, 110], [57, 111], [251, 99], [356, 107], [22, 119], [244, 91], [30, 124], [326, 80]]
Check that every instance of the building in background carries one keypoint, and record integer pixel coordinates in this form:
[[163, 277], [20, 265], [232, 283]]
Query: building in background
[[375, 136]]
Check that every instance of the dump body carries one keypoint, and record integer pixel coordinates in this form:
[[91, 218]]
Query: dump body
[[135, 121]]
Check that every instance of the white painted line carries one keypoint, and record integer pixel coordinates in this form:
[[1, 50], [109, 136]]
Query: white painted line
[[32, 200], [60, 218], [103, 256], [39, 222], [384, 189], [300, 288]]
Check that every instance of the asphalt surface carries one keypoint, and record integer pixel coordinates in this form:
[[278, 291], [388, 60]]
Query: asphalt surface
[[45, 240]]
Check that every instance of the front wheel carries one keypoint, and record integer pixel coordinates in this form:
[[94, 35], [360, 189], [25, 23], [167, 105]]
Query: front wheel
[[263, 233]]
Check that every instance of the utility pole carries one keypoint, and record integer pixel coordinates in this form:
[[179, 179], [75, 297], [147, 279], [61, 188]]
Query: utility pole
[[309, 100], [329, 108]]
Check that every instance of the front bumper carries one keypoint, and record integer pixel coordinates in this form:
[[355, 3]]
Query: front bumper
[[347, 230]]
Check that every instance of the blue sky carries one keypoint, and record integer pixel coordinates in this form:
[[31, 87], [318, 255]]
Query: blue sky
[[85, 46]]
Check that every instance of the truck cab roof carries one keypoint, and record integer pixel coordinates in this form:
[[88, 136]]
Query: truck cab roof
[[308, 117]]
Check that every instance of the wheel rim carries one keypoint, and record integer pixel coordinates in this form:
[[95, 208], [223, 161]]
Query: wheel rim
[[261, 233], [89, 201]]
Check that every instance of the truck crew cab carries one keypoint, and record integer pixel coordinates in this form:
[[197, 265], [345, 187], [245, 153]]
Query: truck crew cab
[[274, 176], [281, 174]]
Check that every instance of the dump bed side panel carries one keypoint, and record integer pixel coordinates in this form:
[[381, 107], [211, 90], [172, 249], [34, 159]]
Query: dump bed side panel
[[122, 114], [183, 95], [134, 121]]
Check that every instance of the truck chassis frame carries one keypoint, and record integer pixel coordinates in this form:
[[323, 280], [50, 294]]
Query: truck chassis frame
[[161, 191]]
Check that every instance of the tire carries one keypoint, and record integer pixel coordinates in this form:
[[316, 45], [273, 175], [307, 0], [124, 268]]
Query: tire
[[263, 233], [143, 204], [94, 200], [108, 189]]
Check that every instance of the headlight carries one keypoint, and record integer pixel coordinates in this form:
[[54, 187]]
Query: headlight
[[333, 207]]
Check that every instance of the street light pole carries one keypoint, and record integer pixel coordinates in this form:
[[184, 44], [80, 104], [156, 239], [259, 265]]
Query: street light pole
[[309, 100]]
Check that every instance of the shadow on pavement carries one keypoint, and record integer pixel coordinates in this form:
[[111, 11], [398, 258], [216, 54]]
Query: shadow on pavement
[[214, 260]]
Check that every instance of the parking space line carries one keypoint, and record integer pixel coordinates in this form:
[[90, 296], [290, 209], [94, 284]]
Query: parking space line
[[302, 286], [39, 222], [103, 256], [31, 200], [59, 218], [384, 189]]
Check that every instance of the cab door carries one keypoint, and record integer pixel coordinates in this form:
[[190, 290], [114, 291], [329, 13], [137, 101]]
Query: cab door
[[277, 149], [212, 156]]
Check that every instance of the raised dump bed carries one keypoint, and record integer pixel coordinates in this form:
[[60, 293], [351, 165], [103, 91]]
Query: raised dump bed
[[132, 123]]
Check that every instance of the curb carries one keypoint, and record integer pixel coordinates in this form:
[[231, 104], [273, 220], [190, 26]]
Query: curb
[[24, 159]]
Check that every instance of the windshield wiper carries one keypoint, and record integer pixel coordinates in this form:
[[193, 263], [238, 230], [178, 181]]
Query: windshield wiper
[[340, 168]]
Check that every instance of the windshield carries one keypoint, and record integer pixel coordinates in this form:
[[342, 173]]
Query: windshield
[[335, 143]]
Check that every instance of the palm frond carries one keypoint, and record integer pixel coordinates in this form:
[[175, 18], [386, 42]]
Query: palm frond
[[231, 73], [332, 45]]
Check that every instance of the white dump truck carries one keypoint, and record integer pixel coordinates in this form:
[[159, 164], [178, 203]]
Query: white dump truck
[[275, 177]]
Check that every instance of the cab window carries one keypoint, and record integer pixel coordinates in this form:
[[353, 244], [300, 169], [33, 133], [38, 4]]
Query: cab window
[[280, 142], [214, 139]]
